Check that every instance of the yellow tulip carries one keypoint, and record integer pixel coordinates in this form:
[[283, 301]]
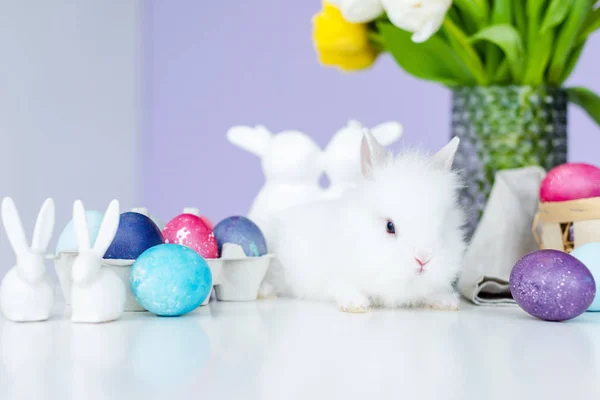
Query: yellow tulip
[[340, 43]]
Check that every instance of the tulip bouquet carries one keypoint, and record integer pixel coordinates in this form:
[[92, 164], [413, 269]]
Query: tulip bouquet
[[505, 62], [463, 42]]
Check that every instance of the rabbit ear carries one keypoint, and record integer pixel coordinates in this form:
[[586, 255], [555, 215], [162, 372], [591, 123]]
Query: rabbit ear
[[372, 154], [255, 140], [13, 226], [387, 133], [108, 229], [445, 157], [44, 226], [81, 226]]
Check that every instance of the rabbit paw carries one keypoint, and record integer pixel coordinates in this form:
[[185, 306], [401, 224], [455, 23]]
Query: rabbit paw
[[443, 302], [266, 291], [349, 299]]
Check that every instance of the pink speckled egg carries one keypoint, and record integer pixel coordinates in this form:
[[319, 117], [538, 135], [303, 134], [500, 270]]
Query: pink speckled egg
[[208, 222], [189, 230], [571, 181]]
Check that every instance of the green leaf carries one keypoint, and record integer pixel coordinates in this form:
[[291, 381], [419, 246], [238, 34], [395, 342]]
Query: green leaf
[[502, 75], [476, 11], [567, 38], [573, 58], [519, 13], [463, 49], [509, 40], [501, 14], [555, 14], [533, 9], [587, 100], [592, 23], [538, 59], [432, 60]]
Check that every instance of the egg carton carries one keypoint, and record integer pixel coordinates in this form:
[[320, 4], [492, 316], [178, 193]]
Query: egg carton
[[236, 277]]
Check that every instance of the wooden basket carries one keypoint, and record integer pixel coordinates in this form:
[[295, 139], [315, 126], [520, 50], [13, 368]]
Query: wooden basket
[[553, 221]]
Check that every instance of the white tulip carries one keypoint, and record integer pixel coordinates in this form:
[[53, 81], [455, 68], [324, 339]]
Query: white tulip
[[358, 11], [421, 17]]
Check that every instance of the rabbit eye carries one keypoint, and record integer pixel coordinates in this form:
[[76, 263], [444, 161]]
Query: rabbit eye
[[391, 229]]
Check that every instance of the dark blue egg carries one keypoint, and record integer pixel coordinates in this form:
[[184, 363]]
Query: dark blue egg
[[243, 232], [136, 234]]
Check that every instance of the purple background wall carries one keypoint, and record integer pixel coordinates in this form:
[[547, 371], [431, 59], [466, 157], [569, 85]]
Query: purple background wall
[[211, 65]]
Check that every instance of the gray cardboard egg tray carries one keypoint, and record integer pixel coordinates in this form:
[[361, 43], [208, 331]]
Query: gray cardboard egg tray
[[235, 276]]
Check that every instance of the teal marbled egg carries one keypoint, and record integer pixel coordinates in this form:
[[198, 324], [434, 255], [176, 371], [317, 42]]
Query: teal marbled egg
[[170, 280]]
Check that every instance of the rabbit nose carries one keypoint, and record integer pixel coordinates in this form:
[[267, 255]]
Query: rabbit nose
[[423, 256]]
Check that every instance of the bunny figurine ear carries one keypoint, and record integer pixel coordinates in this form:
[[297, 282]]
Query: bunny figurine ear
[[372, 154], [387, 133], [13, 226], [108, 229], [81, 227], [44, 226], [254, 140], [445, 157]]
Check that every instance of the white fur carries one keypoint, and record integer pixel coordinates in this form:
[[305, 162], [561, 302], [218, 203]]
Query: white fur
[[339, 249], [26, 291], [342, 154], [292, 165], [97, 294]]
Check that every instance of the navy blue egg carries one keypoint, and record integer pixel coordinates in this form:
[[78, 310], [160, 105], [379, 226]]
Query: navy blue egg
[[170, 280], [243, 232], [136, 234]]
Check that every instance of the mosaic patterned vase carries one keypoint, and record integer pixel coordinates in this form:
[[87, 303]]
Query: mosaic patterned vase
[[504, 127]]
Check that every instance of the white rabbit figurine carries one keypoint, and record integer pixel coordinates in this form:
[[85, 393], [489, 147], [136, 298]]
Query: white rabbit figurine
[[292, 166], [342, 154], [27, 292], [98, 294], [394, 240]]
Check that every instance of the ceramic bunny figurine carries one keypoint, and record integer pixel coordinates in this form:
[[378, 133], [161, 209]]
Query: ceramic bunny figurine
[[292, 166], [27, 292], [98, 294], [342, 154]]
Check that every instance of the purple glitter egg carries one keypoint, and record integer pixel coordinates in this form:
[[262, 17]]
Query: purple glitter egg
[[552, 285]]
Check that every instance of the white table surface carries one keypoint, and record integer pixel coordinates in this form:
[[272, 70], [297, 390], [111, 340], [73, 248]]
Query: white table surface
[[285, 349]]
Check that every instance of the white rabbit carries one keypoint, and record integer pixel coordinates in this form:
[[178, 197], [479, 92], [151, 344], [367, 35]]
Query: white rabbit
[[98, 294], [395, 240], [292, 166], [342, 154], [27, 291]]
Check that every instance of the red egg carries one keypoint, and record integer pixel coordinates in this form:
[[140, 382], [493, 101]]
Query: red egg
[[191, 231], [571, 181], [208, 222]]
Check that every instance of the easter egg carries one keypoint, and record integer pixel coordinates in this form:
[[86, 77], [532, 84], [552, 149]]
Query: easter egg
[[170, 280], [552, 285], [570, 181], [589, 254], [144, 211], [136, 234], [190, 231], [241, 231], [208, 222], [195, 211], [67, 241]]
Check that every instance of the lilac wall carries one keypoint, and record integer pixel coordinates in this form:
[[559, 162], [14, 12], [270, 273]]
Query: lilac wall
[[211, 65]]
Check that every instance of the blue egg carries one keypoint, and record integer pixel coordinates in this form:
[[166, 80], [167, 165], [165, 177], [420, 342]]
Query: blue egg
[[67, 241], [136, 234], [589, 254], [170, 280], [243, 232]]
